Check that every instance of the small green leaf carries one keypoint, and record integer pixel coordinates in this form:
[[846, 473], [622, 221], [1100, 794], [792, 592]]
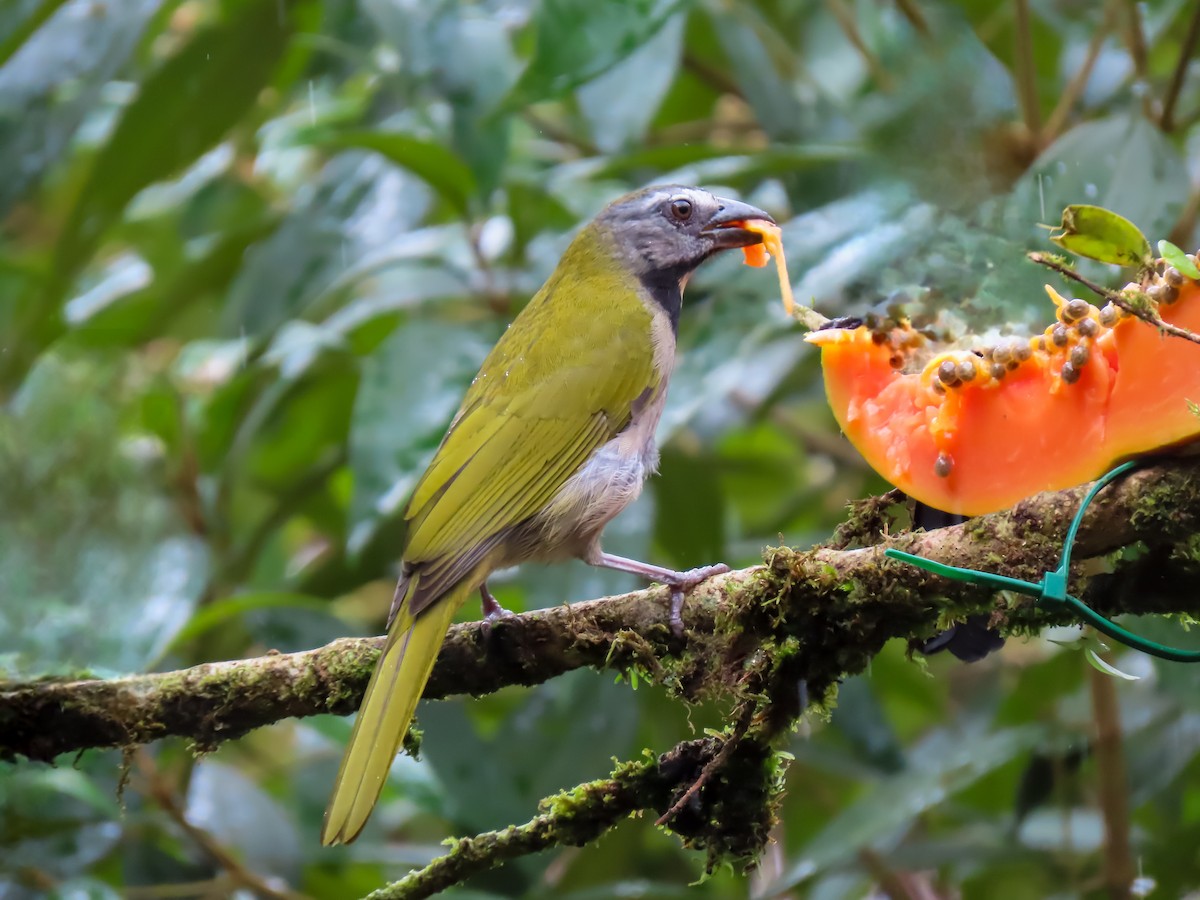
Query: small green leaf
[[577, 40], [1194, 408], [1177, 258], [1100, 665], [429, 161], [1101, 234], [181, 111]]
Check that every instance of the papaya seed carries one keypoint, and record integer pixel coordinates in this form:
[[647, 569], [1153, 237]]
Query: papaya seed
[[947, 373], [1023, 351], [1070, 373], [1079, 355], [1002, 353], [1073, 311], [1058, 334], [966, 370], [1173, 276], [1108, 316], [1162, 293], [997, 370], [1088, 328], [943, 466]]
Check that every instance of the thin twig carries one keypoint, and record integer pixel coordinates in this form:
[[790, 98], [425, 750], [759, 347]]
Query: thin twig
[[916, 18], [1167, 121], [1135, 38], [1112, 786], [716, 78], [731, 743], [1115, 298], [1074, 89], [1026, 72], [849, 25], [896, 885], [161, 793]]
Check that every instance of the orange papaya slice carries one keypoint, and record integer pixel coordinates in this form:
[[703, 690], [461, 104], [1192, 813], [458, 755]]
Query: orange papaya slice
[[974, 431]]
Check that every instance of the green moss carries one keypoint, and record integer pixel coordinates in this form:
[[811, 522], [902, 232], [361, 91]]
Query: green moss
[[636, 656]]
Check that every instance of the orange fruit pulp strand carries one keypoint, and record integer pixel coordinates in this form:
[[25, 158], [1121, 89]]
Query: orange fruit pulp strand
[[772, 245]]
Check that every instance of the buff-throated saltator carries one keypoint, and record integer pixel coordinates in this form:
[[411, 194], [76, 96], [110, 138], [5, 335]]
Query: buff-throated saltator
[[554, 438]]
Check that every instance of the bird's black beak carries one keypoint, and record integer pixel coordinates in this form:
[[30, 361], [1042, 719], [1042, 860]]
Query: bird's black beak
[[725, 225]]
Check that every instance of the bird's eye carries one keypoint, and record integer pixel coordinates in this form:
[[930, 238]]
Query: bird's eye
[[681, 209]]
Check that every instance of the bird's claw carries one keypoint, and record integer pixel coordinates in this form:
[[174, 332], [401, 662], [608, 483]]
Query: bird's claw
[[493, 612], [682, 585]]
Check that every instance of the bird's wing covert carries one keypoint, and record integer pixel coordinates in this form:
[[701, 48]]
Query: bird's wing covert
[[513, 446]]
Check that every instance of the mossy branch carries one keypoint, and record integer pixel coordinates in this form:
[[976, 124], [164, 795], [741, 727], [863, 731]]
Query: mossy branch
[[580, 815], [840, 605]]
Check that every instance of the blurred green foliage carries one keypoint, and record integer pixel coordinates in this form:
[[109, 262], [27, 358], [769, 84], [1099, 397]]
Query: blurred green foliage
[[251, 252]]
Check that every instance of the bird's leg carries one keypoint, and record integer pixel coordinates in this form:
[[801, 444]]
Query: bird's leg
[[679, 582], [492, 610]]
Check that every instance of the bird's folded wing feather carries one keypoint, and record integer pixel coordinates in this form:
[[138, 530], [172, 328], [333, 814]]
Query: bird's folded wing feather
[[508, 452]]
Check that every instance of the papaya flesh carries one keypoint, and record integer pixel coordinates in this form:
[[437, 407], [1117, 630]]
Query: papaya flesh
[[772, 245], [974, 431]]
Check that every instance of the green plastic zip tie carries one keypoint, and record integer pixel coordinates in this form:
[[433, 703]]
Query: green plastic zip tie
[[1052, 591]]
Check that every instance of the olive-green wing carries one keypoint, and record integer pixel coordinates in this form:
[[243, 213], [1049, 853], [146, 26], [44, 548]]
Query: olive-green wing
[[528, 423]]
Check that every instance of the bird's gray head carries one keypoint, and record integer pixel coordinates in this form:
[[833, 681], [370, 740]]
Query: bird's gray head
[[665, 232]]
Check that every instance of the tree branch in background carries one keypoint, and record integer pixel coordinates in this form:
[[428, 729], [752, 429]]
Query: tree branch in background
[[1135, 39], [1113, 786], [849, 25], [1075, 87], [911, 11], [163, 793], [1186, 50], [1027, 73]]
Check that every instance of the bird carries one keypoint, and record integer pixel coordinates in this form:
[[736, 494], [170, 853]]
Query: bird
[[554, 437]]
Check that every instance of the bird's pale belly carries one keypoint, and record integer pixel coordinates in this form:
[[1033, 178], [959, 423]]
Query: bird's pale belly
[[570, 524]]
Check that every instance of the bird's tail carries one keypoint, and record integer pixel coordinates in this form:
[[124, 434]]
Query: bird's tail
[[386, 711]]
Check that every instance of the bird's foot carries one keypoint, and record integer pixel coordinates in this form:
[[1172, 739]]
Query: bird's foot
[[679, 582], [682, 584], [493, 612]]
